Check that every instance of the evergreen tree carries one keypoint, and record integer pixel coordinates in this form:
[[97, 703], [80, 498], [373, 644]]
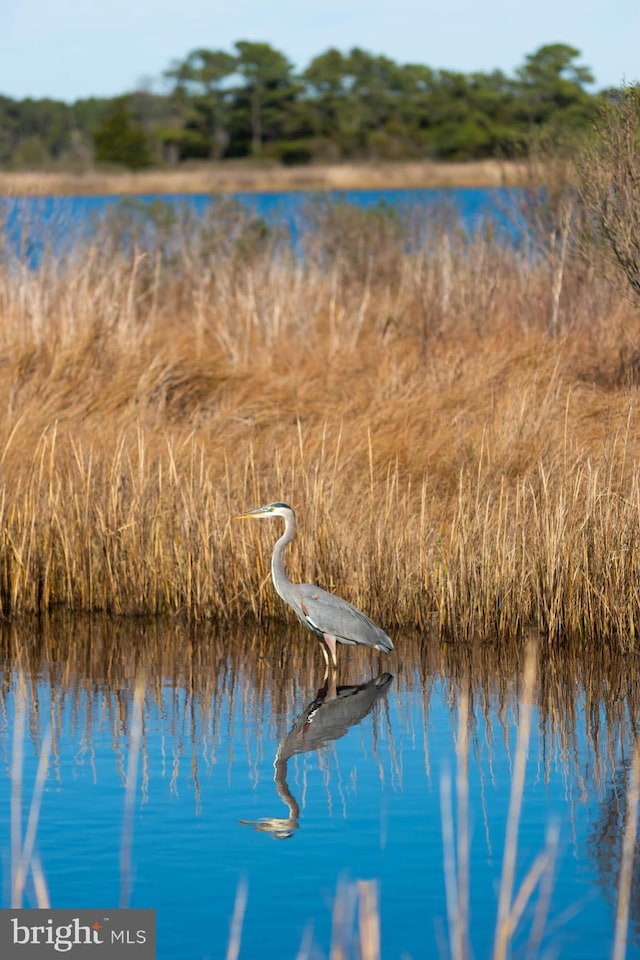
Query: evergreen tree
[[551, 95], [266, 97], [119, 139], [202, 80]]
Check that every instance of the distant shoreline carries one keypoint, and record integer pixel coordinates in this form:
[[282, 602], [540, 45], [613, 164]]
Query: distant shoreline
[[232, 177]]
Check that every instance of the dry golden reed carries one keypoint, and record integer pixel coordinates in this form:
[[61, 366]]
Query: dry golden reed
[[459, 439]]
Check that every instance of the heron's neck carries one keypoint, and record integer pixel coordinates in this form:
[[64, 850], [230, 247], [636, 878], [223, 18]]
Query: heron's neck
[[280, 780], [280, 579]]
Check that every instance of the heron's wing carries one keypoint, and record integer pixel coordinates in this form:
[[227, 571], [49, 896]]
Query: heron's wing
[[326, 613], [326, 720]]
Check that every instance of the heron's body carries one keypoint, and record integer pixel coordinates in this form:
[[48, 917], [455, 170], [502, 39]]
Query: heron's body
[[332, 619]]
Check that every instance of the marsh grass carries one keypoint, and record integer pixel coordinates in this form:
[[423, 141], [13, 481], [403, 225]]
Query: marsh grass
[[455, 464]]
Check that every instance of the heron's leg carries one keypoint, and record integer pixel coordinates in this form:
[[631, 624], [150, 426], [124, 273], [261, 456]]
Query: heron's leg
[[330, 650], [328, 690], [326, 658], [332, 690]]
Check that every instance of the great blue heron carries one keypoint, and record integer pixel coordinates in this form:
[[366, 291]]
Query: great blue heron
[[330, 618]]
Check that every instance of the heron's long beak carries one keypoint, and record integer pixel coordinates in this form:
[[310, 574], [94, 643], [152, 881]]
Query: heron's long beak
[[248, 515]]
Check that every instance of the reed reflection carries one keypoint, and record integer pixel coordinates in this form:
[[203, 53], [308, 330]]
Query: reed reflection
[[613, 843], [332, 712], [205, 681]]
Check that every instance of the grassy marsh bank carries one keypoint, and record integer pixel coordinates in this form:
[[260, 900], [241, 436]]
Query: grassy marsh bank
[[234, 177], [457, 431]]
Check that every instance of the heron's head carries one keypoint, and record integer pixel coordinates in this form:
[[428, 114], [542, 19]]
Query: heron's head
[[279, 828], [270, 510]]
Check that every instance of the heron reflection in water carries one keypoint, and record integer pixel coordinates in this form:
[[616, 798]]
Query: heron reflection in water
[[332, 619], [328, 717]]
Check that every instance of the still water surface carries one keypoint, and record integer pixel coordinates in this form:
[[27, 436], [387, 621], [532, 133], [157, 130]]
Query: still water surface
[[216, 727], [34, 226]]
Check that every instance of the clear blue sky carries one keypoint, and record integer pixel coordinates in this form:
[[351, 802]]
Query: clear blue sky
[[76, 48]]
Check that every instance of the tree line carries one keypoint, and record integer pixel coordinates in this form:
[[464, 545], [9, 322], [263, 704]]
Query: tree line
[[251, 102]]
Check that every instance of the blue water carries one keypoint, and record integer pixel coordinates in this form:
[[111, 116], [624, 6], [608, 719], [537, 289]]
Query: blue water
[[36, 225], [233, 730]]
